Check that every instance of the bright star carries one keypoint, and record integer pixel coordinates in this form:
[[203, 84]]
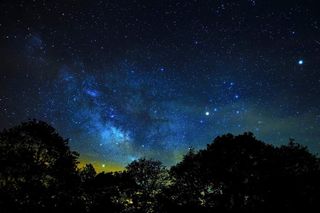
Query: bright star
[[103, 165], [207, 113], [301, 62]]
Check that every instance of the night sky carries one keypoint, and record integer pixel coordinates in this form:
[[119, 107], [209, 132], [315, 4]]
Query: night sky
[[152, 78]]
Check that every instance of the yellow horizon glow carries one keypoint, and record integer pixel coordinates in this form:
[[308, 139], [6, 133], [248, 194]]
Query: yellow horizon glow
[[101, 166]]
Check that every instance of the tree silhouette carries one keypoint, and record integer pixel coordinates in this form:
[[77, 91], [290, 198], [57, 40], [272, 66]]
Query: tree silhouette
[[38, 171], [104, 192], [240, 173], [150, 179], [87, 173]]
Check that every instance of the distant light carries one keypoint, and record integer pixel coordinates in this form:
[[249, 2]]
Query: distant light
[[103, 165], [300, 62], [215, 109], [236, 96], [207, 113]]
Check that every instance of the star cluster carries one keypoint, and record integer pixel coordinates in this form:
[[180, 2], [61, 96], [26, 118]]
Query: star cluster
[[130, 79]]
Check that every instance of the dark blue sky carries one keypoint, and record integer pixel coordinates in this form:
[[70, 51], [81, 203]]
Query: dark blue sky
[[128, 79]]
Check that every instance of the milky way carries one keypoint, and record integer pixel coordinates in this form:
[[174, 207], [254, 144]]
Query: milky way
[[131, 79]]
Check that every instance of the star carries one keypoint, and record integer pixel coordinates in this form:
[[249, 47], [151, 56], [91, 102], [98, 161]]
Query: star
[[300, 62], [127, 91]]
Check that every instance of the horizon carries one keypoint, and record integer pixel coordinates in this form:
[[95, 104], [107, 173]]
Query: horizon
[[112, 167]]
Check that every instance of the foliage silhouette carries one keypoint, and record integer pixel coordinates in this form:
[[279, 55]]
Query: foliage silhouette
[[233, 174], [37, 169], [105, 192], [242, 174], [150, 179]]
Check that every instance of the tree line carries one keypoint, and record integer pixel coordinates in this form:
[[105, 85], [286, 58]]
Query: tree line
[[39, 173]]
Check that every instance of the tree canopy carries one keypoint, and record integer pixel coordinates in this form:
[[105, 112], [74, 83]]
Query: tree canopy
[[38, 170], [232, 174]]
